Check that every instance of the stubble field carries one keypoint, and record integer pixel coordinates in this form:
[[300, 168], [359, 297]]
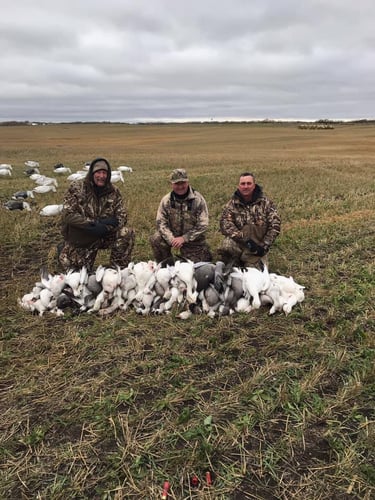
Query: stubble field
[[274, 407]]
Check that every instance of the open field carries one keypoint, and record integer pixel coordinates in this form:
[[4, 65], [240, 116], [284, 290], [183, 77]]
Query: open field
[[275, 407]]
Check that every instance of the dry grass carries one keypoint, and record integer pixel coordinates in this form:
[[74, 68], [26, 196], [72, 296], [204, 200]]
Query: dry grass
[[275, 407]]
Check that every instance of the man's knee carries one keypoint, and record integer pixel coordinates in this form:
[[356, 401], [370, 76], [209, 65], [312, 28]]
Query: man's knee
[[75, 258], [197, 253], [230, 252]]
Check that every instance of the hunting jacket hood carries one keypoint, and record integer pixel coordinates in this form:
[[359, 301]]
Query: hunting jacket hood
[[89, 179]]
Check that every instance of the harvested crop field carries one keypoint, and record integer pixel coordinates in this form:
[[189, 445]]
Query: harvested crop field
[[273, 407]]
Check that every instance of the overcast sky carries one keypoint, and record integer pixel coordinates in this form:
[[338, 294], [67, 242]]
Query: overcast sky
[[123, 60]]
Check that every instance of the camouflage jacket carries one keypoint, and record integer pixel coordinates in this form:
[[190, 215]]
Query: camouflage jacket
[[257, 220], [187, 217], [84, 204]]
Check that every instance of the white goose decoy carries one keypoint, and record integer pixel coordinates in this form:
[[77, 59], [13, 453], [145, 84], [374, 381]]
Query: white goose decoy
[[5, 171], [31, 163], [46, 181], [36, 176], [77, 176], [116, 176], [124, 168], [6, 166], [51, 210], [62, 170], [44, 189]]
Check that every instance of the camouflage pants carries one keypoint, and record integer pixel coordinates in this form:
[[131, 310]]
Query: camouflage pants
[[121, 244], [232, 252], [196, 251]]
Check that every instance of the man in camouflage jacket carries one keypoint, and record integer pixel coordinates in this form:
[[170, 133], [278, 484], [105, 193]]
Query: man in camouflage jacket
[[181, 222], [250, 224], [93, 218]]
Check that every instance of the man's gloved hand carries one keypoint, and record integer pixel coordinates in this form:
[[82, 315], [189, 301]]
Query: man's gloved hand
[[256, 249], [109, 221], [98, 229], [252, 246], [261, 251]]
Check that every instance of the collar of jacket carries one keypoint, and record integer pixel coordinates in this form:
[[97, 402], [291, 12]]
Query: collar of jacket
[[188, 195]]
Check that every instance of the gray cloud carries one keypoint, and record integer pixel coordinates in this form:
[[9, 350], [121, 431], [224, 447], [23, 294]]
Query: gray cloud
[[126, 61]]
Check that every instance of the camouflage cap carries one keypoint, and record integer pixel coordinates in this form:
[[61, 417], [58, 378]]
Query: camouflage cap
[[178, 175], [100, 165]]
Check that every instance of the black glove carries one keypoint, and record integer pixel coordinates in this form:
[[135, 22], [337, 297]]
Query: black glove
[[98, 229], [261, 251], [252, 246], [109, 221], [256, 249]]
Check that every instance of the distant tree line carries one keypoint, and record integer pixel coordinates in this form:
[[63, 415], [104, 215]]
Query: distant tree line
[[322, 123]]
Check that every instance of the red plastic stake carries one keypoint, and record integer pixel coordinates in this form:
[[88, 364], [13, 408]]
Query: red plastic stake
[[194, 481], [164, 495], [208, 478]]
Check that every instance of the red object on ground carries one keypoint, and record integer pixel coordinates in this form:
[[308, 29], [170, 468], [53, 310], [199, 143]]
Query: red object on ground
[[208, 478], [164, 495], [194, 481]]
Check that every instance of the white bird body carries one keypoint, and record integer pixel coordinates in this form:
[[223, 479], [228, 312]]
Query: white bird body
[[110, 280], [283, 293], [54, 283], [77, 176], [6, 166], [51, 210], [124, 168], [185, 272], [42, 180], [76, 280], [62, 170], [5, 171], [36, 176], [44, 189], [31, 163], [254, 283], [116, 176]]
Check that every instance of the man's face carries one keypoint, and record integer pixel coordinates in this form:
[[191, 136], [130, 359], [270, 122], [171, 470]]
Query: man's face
[[246, 186], [100, 178], [180, 188]]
